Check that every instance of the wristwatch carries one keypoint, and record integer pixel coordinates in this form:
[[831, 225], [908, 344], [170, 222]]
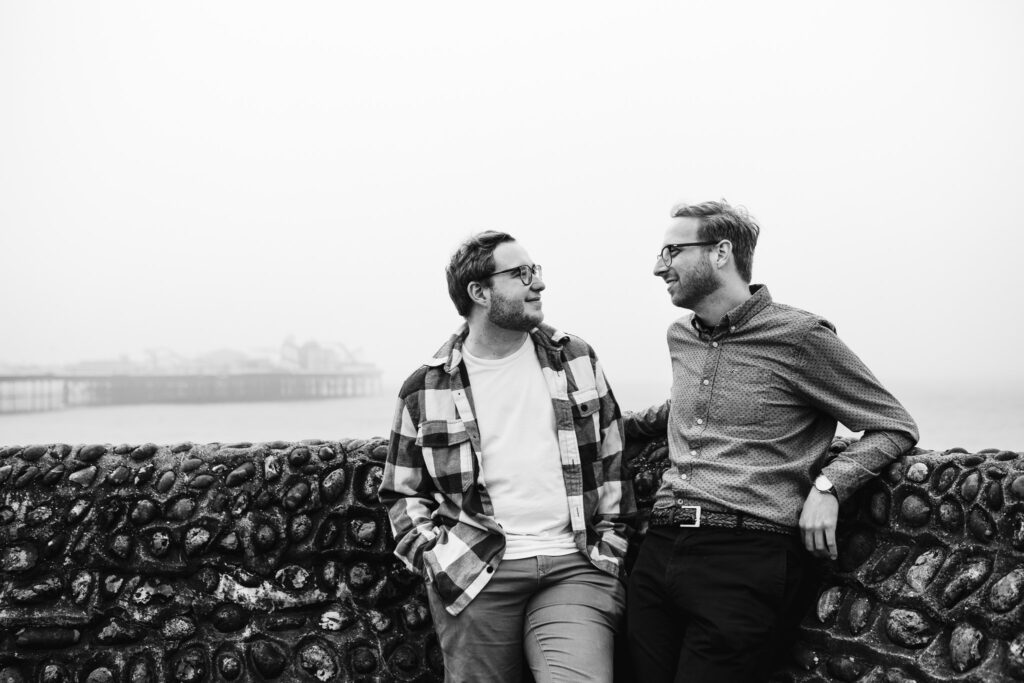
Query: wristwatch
[[824, 485]]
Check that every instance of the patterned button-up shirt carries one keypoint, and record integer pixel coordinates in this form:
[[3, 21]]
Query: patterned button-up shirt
[[442, 516], [754, 408]]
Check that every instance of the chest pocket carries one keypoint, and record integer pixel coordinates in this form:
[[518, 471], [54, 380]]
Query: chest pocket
[[585, 403], [739, 394], [586, 413], [447, 454]]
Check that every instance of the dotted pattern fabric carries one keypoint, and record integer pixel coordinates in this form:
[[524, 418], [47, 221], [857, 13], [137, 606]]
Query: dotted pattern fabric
[[755, 402]]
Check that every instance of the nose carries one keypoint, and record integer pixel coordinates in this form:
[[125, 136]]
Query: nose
[[538, 284], [659, 267]]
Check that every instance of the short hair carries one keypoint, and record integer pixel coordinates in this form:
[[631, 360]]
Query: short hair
[[472, 261], [720, 221]]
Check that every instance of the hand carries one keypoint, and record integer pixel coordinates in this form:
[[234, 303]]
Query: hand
[[818, 524], [631, 425], [649, 423]]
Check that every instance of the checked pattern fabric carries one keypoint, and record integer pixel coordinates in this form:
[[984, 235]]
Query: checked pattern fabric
[[442, 517]]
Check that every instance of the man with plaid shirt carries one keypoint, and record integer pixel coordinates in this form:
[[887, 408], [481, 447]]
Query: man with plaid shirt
[[504, 482]]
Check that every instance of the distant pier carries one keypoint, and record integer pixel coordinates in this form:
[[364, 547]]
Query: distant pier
[[34, 393]]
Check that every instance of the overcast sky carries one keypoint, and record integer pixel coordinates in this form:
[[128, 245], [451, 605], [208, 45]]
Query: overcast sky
[[198, 175]]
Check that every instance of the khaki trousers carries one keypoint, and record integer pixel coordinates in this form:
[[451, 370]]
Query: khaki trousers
[[558, 614]]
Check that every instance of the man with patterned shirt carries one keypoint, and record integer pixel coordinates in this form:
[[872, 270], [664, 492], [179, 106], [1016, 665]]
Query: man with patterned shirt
[[503, 482], [757, 390]]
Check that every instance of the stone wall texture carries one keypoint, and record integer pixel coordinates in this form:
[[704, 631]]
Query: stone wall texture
[[272, 562]]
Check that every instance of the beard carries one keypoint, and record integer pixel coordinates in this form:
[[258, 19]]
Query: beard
[[697, 286], [510, 314]]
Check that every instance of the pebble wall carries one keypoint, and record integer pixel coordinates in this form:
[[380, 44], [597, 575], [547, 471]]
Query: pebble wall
[[238, 562], [272, 562]]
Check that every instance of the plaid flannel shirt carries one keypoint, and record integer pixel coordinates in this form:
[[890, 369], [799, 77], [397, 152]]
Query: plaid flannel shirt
[[442, 517]]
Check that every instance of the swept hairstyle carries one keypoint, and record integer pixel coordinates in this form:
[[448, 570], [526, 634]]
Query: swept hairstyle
[[473, 261], [721, 221]]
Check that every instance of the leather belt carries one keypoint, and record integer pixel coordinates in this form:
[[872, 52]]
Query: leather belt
[[693, 517]]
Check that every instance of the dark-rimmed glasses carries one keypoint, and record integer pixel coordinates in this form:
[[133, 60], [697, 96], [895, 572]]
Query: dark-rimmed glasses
[[669, 251], [526, 273]]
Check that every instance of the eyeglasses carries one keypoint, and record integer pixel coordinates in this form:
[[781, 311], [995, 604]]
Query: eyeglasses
[[526, 273], [669, 251]]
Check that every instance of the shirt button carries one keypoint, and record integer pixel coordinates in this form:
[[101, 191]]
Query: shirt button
[[706, 382], [732, 329], [490, 569], [715, 344], [700, 421], [693, 452], [683, 476]]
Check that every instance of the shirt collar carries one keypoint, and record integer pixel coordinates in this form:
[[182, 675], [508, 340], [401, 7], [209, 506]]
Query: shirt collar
[[759, 299], [449, 356]]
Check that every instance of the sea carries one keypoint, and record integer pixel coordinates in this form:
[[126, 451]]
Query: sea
[[950, 414]]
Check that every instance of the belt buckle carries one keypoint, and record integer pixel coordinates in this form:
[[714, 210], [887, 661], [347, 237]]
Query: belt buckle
[[696, 516]]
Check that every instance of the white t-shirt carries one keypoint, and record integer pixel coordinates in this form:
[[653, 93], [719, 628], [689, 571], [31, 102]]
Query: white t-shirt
[[521, 466]]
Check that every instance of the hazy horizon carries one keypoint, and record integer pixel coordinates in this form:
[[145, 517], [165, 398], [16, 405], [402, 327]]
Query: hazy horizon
[[948, 414], [198, 176]]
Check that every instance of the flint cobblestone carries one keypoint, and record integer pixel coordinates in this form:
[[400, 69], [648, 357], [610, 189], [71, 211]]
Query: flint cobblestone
[[272, 562]]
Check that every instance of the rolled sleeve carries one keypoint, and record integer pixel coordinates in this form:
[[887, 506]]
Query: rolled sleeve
[[838, 383]]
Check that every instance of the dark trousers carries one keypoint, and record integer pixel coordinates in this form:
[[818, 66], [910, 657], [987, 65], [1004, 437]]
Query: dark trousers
[[712, 604]]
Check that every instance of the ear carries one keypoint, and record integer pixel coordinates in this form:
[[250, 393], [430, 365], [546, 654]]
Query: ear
[[721, 255], [478, 293]]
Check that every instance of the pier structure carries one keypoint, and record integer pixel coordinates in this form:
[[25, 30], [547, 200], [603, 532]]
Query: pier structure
[[34, 393]]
